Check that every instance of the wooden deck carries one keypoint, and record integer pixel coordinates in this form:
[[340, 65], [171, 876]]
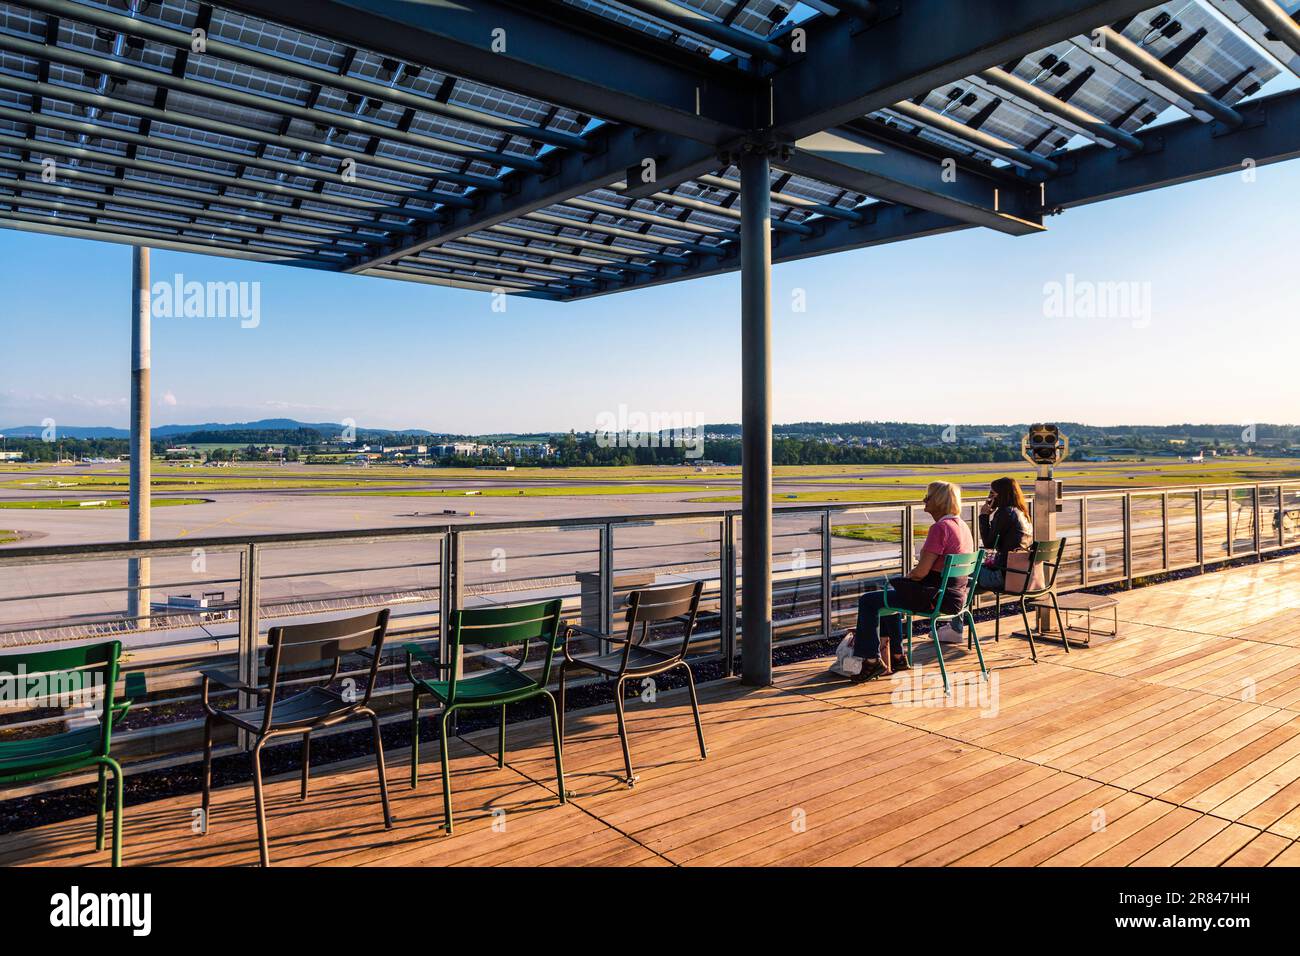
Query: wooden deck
[[1176, 745]]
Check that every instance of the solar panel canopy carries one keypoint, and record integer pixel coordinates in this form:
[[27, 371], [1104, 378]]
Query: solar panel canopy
[[311, 134]]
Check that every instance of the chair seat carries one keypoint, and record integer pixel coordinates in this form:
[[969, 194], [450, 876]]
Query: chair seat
[[309, 707], [37, 753], [640, 660], [505, 681]]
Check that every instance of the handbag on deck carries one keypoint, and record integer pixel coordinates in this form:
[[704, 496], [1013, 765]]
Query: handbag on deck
[[846, 665]]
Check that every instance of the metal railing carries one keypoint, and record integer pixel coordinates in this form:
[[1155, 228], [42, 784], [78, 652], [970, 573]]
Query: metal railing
[[824, 556]]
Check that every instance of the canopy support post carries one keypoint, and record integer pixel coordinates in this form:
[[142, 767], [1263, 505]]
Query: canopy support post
[[756, 415], [138, 519]]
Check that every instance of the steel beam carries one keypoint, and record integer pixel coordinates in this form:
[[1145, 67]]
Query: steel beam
[[278, 65], [1080, 119], [1184, 151], [694, 22], [979, 139], [554, 52], [617, 148], [756, 417], [1148, 64], [878, 168], [927, 44]]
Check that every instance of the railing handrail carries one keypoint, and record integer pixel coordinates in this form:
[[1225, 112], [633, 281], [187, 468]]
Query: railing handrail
[[162, 547]]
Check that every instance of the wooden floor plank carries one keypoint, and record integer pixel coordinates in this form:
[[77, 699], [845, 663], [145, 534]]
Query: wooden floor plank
[[1176, 745]]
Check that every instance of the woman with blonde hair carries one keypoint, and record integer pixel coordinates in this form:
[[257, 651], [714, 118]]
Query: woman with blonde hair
[[916, 590], [1007, 535]]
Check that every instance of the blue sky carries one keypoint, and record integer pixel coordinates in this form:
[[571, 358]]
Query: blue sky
[[949, 330]]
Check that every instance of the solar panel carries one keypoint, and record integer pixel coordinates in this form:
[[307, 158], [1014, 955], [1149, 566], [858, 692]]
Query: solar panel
[[231, 152]]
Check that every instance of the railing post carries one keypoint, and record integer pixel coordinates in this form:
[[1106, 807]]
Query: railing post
[[1164, 525], [1200, 529], [453, 573], [249, 639], [1083, 542], [606, 574], [1259, 515], [1128, 540], [727, 593], [1281, 517], [828, 578], [906, 545], [1232, 534]]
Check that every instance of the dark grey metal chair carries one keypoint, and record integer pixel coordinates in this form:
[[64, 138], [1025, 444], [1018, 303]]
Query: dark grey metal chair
[[1044, 556], [646, 608], [299, 646]]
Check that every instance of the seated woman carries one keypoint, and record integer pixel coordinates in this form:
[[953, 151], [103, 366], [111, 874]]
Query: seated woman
[[916, 591], [1007, 534]]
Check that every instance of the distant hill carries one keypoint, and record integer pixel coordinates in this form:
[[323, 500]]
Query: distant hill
[[327, 429]]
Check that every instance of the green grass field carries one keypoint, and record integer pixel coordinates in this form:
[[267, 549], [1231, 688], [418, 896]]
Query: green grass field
[[165, 482], [875, 532], [860, 483], [78, 504]]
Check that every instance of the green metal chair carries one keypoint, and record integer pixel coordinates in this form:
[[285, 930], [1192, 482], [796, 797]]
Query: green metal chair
[[1019, 586], [52, 679], [495, 627], [954, 566]]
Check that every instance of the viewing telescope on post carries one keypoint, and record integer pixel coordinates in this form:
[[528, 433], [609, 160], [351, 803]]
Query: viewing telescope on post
[[1045, 447]]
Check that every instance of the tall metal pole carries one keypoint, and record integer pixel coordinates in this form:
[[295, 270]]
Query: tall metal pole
[[756, 416], [138, 516]]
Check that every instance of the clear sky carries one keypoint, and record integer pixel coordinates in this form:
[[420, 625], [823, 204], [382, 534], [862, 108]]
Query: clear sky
[[954, 329]]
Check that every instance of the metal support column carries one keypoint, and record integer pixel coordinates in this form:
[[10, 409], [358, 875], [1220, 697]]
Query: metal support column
[[138, 515], [756, 415], [828, 577]]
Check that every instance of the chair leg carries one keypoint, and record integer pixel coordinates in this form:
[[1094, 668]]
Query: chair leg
[[306, 763], [695, 708], [446, 772], [938, 653], [103, 808], [207, 774], [1029, 631], [264, 852], [974, 636], [119, 792], [560, 704], [1059, 623], [630, 779], [997, 618], [555, 739], [501, 739], [415, 738], [379, 766]]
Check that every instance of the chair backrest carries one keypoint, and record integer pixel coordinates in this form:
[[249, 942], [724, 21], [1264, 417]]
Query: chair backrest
[[517, 624], [64, 678], [959, 566], [647, 607], [324, 642], [1039, 576]]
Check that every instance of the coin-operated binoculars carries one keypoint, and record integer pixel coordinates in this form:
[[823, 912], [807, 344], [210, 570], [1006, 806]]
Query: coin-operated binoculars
[[1044, 448]]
